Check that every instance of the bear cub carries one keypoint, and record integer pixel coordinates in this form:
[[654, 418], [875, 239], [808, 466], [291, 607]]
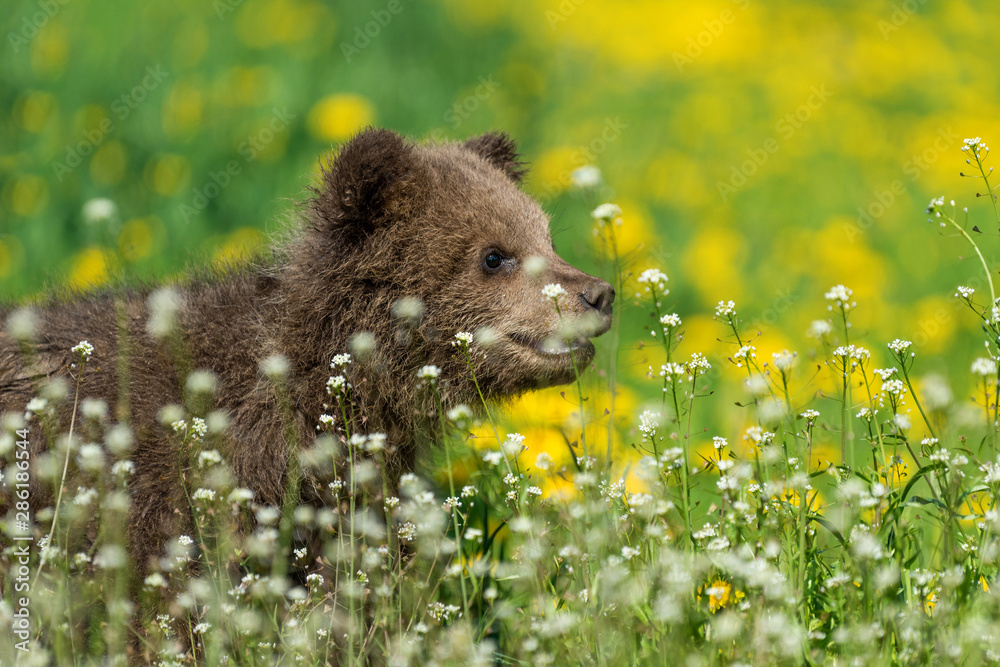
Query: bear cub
[[401, 247]]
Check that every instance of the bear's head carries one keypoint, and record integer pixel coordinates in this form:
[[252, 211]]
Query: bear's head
[[448, 225]]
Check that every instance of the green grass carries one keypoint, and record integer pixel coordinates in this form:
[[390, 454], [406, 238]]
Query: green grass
[[760, 551]]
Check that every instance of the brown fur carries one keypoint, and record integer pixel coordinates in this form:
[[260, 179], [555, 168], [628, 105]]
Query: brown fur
[[390, 220]]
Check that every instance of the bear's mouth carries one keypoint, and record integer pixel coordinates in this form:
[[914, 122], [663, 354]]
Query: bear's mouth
[[554, 348]]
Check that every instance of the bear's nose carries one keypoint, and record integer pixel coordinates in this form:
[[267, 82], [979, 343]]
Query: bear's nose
[[599, 295]]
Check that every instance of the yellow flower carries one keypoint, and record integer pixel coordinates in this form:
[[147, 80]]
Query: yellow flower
[[136, 238], [930, 602], [26, 195], [107, 167], [90, 269], [339, 117], [240, 245], [721, 594]]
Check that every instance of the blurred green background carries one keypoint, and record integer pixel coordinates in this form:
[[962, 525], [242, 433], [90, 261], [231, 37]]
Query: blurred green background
[[761, 152]]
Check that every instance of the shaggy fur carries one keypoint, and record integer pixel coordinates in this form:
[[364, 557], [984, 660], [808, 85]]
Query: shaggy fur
[[391, 219]]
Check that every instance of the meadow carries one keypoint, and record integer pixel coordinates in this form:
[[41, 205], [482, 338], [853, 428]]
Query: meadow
[[787, 449]]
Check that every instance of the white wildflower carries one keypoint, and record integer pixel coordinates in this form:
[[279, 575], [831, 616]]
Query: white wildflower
[[606, 213], [553, 291], [84, 350], [586, 177], [725, 309]]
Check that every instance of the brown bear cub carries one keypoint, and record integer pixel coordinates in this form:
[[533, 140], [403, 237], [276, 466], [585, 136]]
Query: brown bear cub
[[443, 230]]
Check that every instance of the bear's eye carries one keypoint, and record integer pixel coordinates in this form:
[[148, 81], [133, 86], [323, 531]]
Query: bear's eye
[[493, 261]]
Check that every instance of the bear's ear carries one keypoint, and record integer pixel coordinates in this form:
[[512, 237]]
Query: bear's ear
[[370, 183], [499, 149]]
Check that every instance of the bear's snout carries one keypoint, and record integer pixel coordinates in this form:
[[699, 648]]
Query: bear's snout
[[596, 299], [599, 295]]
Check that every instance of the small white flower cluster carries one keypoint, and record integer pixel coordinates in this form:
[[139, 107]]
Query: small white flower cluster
[[900, 346], [784, 360], [203, 494], [725, 309], [463, 339], [586, 177], [123, 468], [758, 436], [934, 205], [954, 463], [992, 471], [553, 291], [493, 457], [810, 415], [208, 458], [543, 461], [841, 297], [612, 491], [197, 431], [819, 329], [275, 367], [84, 496], [461, 415], [671, 320], [894, 387], [443, 613], [429, 372], [336, 385], [340, 360], [698, 365], [864, 545], [975, 145], [239, 496], [407, 531], [649, 421], [853, 352], [964, 292], [670, 368], [745, 353], [884, 373], [84, 350], [655, 282], [514, 444], [985, 366], [373, 442], [606, 213]]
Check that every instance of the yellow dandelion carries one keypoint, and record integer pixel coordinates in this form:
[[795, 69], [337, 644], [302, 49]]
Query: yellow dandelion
[[90, 269], [721, 594], [339, 117]]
